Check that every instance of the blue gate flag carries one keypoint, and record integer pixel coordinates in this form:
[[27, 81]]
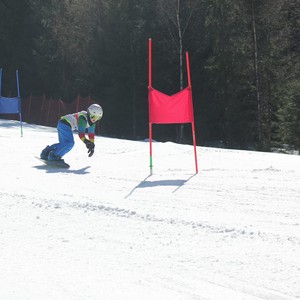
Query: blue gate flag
[[11, 105]]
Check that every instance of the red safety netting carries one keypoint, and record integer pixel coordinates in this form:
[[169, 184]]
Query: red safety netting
[[47, 111]]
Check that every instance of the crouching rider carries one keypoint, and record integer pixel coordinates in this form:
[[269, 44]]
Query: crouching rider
[[84, 122]]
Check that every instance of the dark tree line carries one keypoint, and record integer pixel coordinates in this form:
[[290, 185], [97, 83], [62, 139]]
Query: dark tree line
[[245, 63]]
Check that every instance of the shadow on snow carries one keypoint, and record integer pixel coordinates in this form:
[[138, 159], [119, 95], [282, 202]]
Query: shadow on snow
[[50, 169], [154, 183]]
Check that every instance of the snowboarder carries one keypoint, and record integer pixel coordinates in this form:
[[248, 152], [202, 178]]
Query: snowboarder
[[84, 122]]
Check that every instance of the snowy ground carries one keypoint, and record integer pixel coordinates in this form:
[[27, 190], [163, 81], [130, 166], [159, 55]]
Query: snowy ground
[[105, 229]]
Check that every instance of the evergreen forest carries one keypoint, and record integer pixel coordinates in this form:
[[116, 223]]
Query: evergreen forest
[[244, 57]]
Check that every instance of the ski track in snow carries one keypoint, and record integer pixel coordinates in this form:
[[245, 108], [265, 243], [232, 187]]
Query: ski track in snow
[[179, 229]]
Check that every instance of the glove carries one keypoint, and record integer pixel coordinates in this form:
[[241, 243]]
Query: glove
[[90, 152], [91, 146]]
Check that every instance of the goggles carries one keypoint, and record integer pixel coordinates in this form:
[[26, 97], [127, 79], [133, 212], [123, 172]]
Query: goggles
[[95, 118]]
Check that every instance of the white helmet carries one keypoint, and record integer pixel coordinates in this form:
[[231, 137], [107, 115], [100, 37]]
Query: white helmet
[[95, 112]]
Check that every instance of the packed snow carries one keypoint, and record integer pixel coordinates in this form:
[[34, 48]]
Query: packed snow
[[107, 229]]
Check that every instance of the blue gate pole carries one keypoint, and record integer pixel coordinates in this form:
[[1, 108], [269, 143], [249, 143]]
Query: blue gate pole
[[0, 80]]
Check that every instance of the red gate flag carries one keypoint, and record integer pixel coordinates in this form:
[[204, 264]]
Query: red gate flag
[[165, 109]]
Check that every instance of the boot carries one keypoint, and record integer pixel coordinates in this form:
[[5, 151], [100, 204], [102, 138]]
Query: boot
[[52, 156], [44, 154]]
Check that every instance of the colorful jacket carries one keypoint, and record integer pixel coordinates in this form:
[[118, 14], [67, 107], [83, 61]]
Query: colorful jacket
[[79, 122]]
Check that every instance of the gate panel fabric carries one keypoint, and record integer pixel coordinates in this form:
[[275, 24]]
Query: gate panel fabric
[[165, 109], [10, 105]]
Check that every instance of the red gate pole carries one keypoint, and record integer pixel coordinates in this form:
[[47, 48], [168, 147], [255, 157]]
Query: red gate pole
[[149, 88], [29, 108], [193, 125], [42, 115], [77, 103]]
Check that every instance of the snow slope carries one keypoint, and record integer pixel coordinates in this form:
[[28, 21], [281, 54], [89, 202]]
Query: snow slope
[[105, 229]]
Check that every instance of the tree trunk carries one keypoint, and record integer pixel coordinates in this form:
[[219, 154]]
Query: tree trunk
[[181, 127], [258, 99]]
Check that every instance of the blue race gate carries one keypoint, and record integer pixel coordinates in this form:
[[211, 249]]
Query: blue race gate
[[11, 105]]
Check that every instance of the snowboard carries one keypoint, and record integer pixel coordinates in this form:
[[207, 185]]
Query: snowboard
[[54, 163]]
